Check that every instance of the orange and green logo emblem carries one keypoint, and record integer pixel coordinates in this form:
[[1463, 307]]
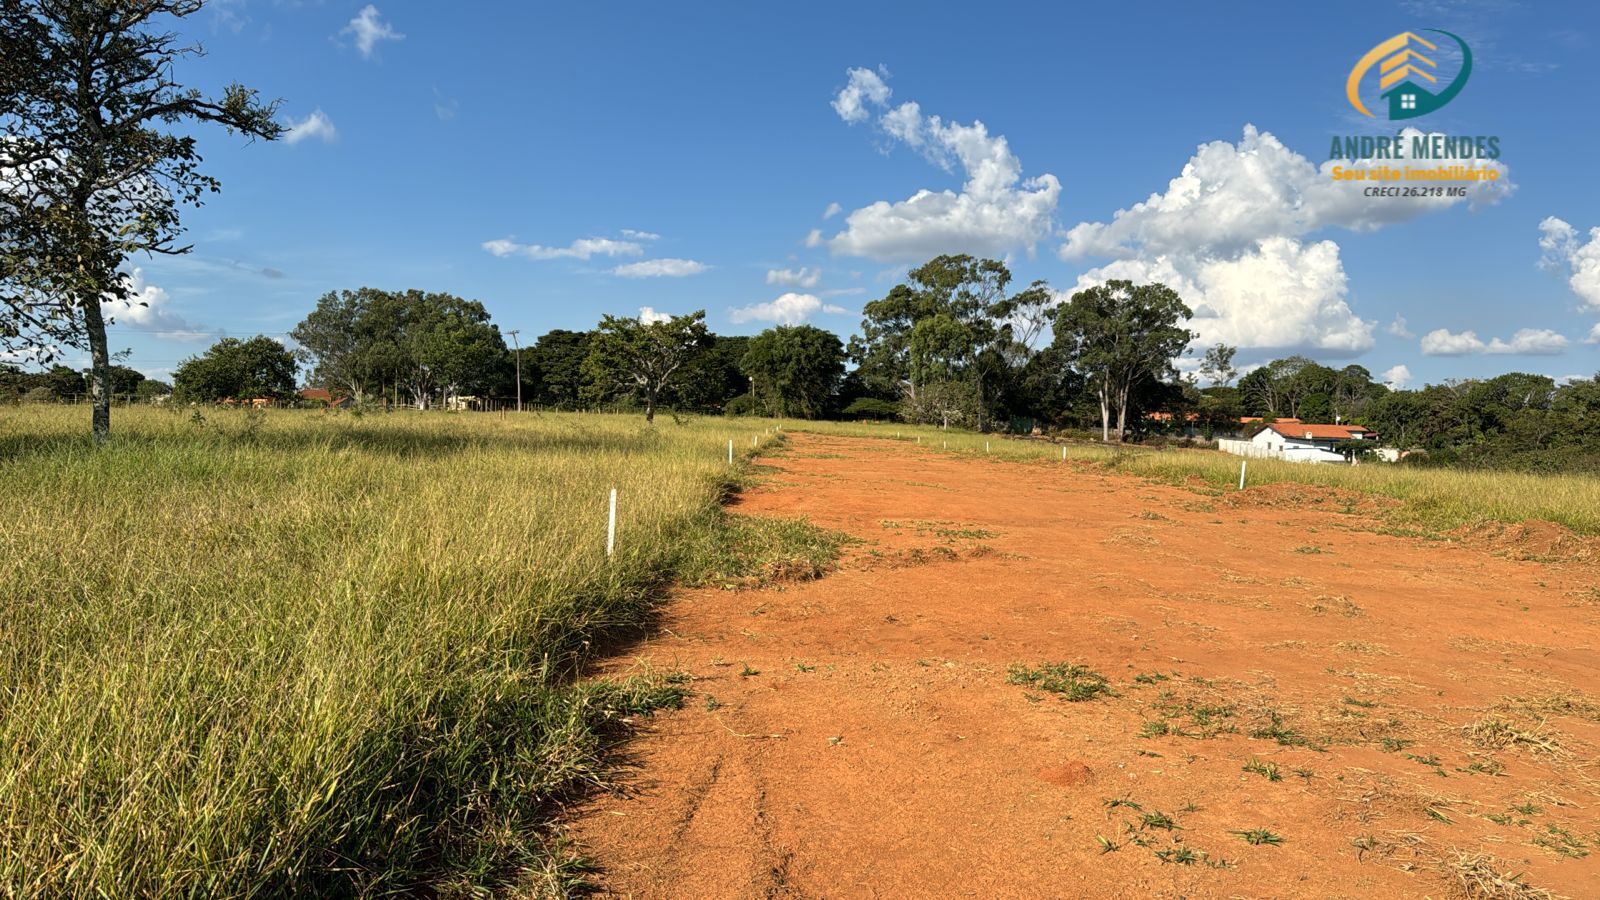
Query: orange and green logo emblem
[[1407, 78]]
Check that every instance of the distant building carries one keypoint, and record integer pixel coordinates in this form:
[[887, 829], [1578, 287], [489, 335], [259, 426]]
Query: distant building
[[1295, 441], [1294, 436], [324, 396]]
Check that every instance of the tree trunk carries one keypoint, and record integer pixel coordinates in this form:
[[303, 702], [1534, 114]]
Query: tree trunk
[[1122, 415], [94, 322], [1105, 414], [649, 408]]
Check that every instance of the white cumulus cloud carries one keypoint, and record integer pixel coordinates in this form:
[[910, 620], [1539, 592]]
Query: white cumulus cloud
[[649, 316], [1229, 196], [369, 29], [145, 310], [1530, 342], [1398, 328], [802, 277], [1525, 342], [1566, 251], [635, 234], [1281, 294], [1594, 335], [1444, 342], [1397, 377], [317, 126], [660, 268], [996, 211], [864, 86], [583, 248], [833, 210], [788, 309], [1229, 234]]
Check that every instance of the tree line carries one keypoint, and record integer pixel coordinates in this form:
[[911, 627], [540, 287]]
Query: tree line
[[431, 348], [60, 382], [952, 345], [100, 157]]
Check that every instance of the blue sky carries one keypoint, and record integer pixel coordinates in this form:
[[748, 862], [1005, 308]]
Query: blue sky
[[557, 163]]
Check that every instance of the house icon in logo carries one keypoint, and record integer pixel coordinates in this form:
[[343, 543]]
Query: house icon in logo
[[1407, 76]]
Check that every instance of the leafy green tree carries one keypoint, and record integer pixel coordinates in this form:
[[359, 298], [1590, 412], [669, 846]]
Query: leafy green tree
[[429, 344], [1023, 317], [1576, 409], [150, 389], [1256, 392], [557, 362], [1121, 335], [1353, 391], [52, 384], [450, 347], [713, 378], [13, 382], [125, 381], [238, 370], [870, 408], [1047, 387], [1495, 402], [97, 158], [1301, 388], [795, 369], [1316, 407], [643, 361], [62, 381], [1217, 366], [1219, 410], [935, 328], [348, 342]]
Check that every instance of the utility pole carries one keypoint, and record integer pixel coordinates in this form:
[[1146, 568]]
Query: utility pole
[[514, 332]]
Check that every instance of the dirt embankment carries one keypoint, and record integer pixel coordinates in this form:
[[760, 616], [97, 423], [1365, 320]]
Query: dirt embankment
[[1293, 703]]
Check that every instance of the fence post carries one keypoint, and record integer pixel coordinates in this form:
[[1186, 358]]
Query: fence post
[[1242, 464], [730, 451], [611, 525]]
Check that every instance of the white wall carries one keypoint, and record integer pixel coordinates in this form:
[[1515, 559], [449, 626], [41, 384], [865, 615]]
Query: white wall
[[1248, 448]]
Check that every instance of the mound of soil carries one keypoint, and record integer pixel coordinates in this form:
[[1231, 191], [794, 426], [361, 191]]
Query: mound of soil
[[1072, 773], [1309, 497], [1533, 539]]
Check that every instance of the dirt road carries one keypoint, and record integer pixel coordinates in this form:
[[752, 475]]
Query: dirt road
[[1364, 706]]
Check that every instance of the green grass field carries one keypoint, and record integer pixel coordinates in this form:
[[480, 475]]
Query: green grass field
[[301, 652], [291, 652]]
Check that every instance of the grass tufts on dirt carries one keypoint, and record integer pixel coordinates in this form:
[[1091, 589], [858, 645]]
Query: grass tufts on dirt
[[748, 552], [1483, 878], [1071, 681]]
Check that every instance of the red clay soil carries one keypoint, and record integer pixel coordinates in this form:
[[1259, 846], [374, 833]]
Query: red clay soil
[[1382, 704]]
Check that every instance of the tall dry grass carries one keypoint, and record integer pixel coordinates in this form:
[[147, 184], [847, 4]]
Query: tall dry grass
[[288, 653]]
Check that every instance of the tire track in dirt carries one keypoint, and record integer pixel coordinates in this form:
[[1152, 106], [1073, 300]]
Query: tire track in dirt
[[1276, 665]]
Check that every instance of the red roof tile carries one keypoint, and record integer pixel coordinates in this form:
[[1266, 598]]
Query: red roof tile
[[1319, 432]]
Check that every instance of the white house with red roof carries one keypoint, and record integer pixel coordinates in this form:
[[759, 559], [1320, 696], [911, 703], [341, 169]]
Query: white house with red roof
[[1295, 441], [1298, 441], [1287, 437]]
